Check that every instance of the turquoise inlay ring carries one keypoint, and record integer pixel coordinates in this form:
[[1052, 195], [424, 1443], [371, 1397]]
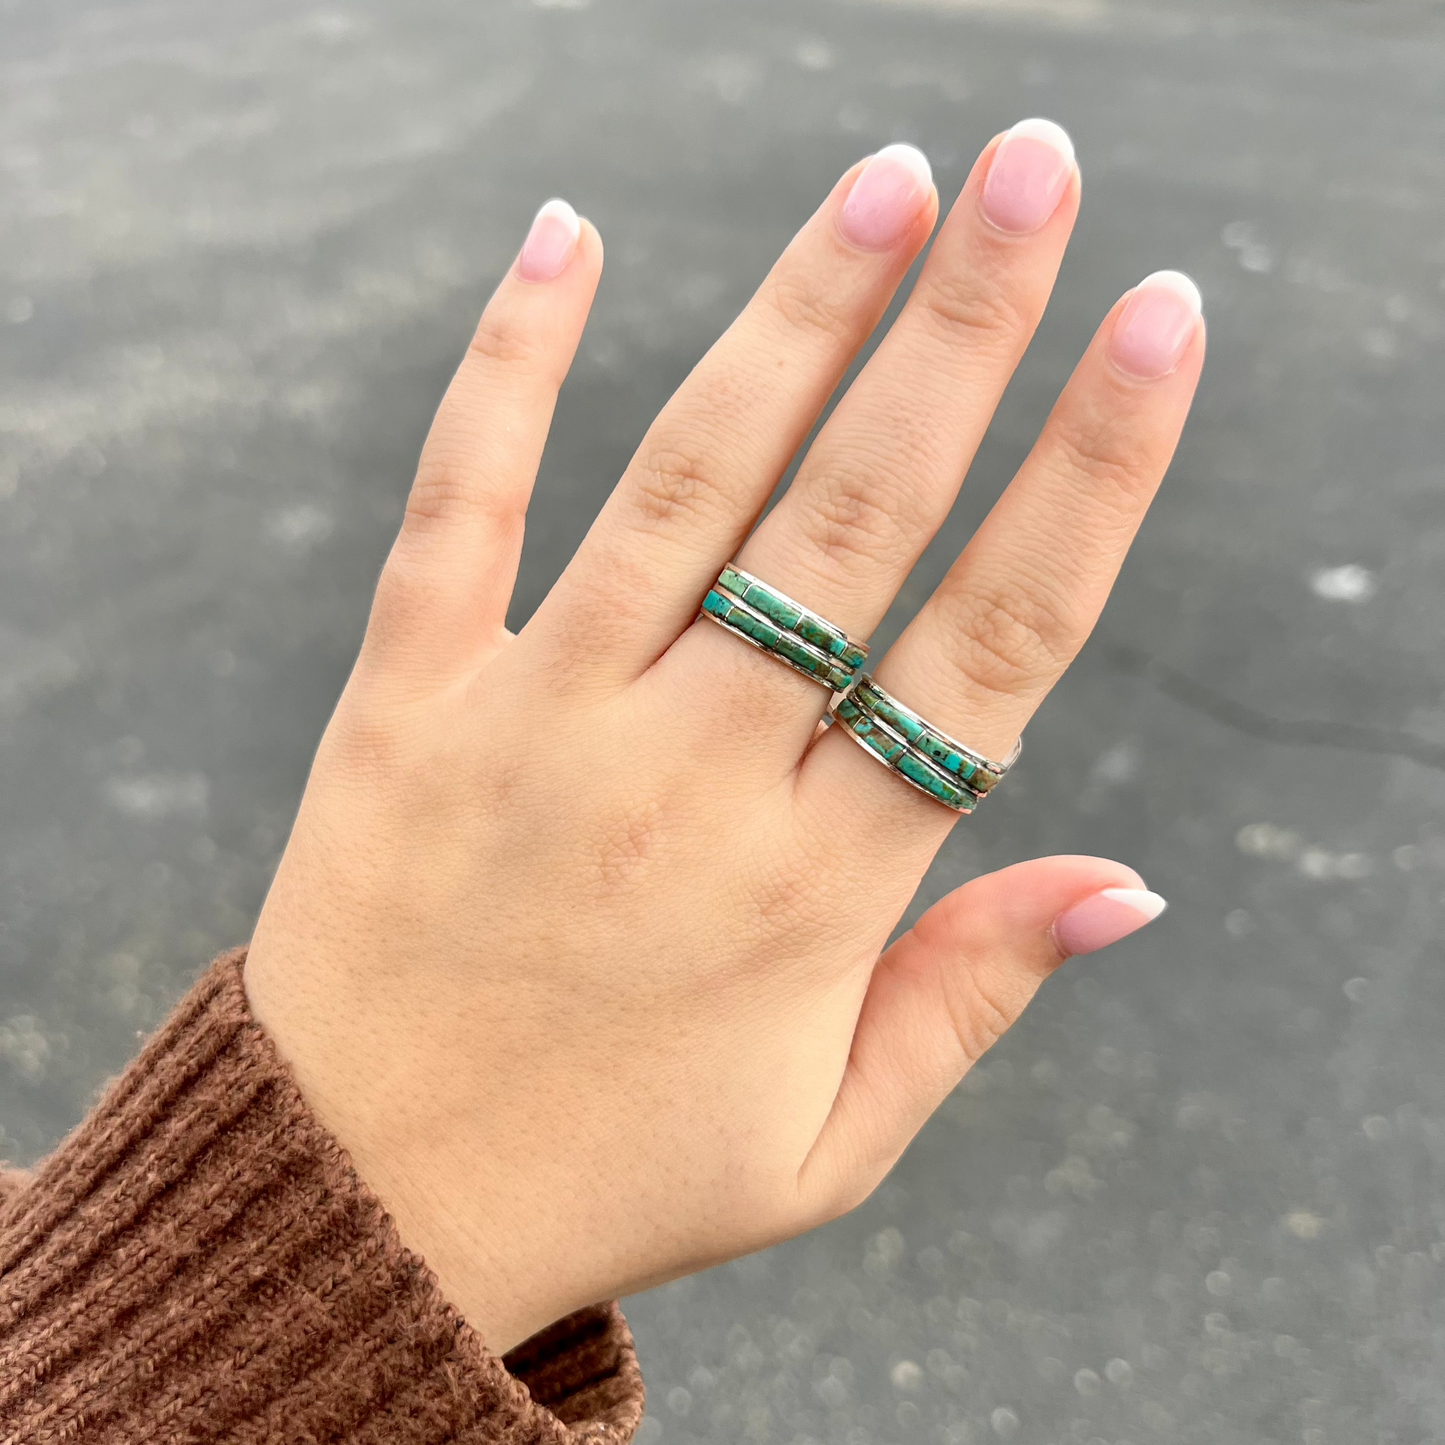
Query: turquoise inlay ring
[[921, 754], [784, 629]]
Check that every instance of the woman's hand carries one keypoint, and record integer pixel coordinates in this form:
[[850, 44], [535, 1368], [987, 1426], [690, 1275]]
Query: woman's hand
[[576, 943]]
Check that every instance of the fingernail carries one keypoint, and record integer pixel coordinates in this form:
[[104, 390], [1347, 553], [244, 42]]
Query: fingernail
[[1028, 176], [887, 196], [1105, 918], [550, 244], [1156, 325]]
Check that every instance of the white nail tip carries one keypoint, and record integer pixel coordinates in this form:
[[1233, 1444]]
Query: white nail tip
[[1180, 284], [1048, 131], [559, 210], [1151, 905], [912, 159]]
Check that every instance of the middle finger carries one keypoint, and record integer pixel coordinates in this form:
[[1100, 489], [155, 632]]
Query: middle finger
[[885, 469]]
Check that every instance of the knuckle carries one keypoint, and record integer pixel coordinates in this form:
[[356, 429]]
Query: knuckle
[[974, 308], [978, 1019], [789, 904], [670, 483], [499, 340], [804, 307], [448, 487], [630, 842], [1109, 458], [436, 496], [852, 515], [792, 902], [1011, 641]]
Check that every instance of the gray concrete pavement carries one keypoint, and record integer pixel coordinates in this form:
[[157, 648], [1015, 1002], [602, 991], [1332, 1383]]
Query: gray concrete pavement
[[1197, 1194]]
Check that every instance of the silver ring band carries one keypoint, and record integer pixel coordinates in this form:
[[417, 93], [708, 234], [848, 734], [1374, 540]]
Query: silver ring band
[[921, 754], [786, 630]]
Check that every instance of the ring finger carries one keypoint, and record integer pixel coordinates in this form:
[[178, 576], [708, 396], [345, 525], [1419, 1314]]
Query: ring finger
[[1026, 592]]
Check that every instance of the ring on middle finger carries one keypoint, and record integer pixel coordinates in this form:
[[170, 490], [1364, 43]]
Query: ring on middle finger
[[796, 635]]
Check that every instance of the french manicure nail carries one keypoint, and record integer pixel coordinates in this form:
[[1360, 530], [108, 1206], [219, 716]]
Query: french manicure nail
[[550, 244], [888, 194], [1156, 325], [1105, 918], [1028, 176]]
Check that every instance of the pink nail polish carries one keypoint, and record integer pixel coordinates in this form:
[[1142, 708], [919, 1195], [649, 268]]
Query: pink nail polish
[[550, 244], [1028, 176], [1105, 918], [889, 193], [1156, 325]]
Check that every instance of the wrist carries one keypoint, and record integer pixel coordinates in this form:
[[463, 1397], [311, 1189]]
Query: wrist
[[450, 1198]]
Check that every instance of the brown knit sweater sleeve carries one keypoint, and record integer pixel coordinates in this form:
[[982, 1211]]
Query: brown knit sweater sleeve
[[199, 1262]]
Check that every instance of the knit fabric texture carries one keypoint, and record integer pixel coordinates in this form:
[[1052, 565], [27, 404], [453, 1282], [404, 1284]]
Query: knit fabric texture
[[199, 1262]]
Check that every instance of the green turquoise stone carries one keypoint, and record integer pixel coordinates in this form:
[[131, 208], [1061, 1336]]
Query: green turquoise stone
[[729, 581], [931, 747], [790, 648], [727, 607], [910, 727], [772, 606], [822, 668], [847, 709], [887, 748], [917, 771], [815, 633], [853, 657], [758, 631], [946, 756]]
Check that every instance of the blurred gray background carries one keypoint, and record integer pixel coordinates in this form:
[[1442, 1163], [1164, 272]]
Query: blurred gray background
[[1197, 1194]]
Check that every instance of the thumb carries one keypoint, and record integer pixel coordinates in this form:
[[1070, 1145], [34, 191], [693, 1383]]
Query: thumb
[[944, 993]]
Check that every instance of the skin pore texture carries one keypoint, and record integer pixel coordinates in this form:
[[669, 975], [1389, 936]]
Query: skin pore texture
[[573, 946]]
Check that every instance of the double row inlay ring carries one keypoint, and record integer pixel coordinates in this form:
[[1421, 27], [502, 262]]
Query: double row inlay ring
[[918, 752], [784, 629]]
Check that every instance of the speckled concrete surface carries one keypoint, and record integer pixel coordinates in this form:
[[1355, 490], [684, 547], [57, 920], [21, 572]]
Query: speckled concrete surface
[[1197, 1194]]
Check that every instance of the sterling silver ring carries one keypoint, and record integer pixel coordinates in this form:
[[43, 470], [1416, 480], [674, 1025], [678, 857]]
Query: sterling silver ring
[[796, 635], [922, 755]]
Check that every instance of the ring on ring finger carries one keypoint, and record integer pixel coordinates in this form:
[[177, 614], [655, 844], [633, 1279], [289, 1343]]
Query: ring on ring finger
[[921, 754]]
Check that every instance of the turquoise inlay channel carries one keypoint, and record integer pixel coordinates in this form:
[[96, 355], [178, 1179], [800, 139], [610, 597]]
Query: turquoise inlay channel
[[774, 622], [828, 639], [918, 753], [936, 746], [902, 760], [729, 581], [771, 605]]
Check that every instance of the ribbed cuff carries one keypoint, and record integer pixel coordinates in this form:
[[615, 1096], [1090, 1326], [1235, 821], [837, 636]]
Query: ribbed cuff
[[199, 1262]]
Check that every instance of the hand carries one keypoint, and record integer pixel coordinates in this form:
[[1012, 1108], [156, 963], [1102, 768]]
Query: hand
[[576, 943]]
